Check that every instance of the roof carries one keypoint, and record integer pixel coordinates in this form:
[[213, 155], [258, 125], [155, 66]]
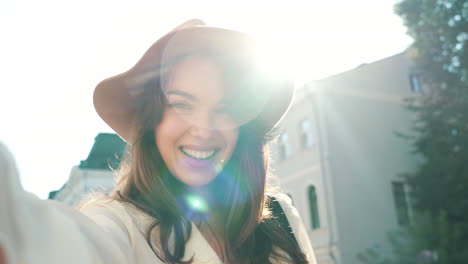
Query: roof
[[106, 152]]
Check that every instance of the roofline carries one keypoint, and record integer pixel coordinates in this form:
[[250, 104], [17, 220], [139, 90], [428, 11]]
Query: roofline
[[357, 68]]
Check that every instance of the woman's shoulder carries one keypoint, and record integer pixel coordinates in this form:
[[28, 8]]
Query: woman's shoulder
[[291, 213], [100, 206], [100, 200], [296, 224], [285, 201], [282, 198]]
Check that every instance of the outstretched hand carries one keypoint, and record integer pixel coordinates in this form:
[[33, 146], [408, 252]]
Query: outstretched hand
[[10, 188], [2, 256]]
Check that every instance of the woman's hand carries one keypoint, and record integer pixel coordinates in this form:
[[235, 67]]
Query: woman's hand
[[2, 256], [10, 190]]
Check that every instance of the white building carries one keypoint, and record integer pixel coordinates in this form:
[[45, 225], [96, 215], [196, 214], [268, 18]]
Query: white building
[[339, 158], [93, 174]]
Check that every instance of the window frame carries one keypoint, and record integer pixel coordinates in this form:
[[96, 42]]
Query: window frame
[[415, 83], [313, 207], [284, 148], [306, 132], [401, 203]]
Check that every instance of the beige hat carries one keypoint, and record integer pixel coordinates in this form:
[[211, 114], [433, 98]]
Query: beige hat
[[115, 97]]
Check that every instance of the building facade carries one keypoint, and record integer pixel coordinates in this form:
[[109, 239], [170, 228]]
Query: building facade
[[340, 158]]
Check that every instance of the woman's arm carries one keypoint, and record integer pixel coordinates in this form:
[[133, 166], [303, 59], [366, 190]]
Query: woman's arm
[[38, 231], [10, 189]]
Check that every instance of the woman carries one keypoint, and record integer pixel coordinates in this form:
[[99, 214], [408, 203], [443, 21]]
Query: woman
[[196, 111]]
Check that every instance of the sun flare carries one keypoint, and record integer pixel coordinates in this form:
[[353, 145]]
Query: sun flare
[[281, 59]]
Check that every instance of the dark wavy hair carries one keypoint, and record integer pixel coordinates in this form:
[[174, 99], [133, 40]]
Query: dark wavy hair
[[251, 234]]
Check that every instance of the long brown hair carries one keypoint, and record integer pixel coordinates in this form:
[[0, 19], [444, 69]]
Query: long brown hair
[[250, 232]]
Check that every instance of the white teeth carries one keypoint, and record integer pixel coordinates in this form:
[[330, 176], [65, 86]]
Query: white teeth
[[198, 154]]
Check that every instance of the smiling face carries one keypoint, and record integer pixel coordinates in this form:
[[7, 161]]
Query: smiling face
[[196, 135]]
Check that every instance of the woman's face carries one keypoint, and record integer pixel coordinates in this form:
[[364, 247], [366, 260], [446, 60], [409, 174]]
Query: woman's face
[[196, 135]]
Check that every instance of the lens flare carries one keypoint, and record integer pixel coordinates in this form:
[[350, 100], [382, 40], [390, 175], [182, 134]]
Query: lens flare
[[219, 166], [196, 203]]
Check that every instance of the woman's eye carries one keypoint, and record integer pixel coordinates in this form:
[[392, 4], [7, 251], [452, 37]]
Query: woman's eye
[[180, 106]]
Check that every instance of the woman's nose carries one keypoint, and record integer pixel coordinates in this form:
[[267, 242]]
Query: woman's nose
[[203, 126]]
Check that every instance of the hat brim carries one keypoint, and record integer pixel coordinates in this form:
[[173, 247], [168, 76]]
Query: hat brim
[[115, 97]]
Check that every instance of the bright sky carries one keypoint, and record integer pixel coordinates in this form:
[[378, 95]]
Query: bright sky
[[53, 53]]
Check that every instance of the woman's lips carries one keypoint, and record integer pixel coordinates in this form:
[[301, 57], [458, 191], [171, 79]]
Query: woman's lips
[[197, 163], [198, 154], [192, 158]]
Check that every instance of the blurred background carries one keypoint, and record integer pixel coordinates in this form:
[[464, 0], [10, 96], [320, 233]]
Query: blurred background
[[372, 152]]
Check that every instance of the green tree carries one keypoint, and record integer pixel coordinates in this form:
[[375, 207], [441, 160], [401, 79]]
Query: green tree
[[440, 184], [410, 245]]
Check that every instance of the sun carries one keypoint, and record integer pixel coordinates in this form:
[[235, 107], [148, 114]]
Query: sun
[[282, 59]]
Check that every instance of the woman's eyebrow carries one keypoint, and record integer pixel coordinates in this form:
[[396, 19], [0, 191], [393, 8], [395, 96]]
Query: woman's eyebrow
[[181, 93]]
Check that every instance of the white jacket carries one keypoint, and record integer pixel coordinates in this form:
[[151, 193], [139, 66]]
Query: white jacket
[[101, 231]]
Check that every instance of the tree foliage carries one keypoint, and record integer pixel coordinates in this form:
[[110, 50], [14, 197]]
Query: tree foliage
[[440, 184], [415, 244]]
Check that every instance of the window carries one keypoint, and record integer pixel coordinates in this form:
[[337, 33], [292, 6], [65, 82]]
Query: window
[[401, 203], [415, 83], [306, 133], [313, 205], [284, 148]]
